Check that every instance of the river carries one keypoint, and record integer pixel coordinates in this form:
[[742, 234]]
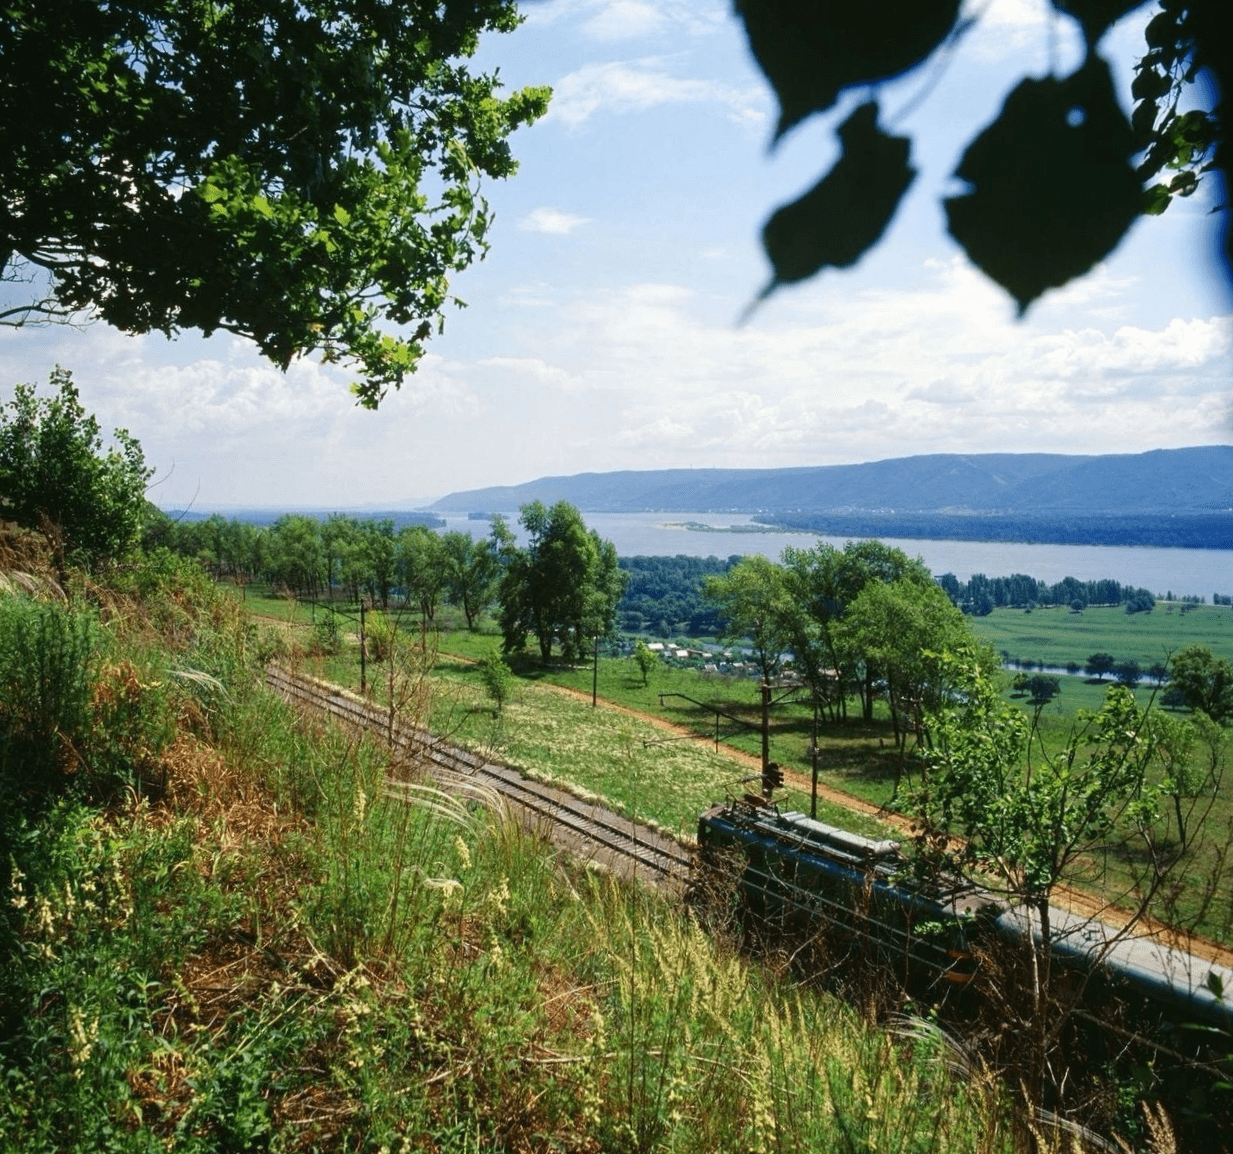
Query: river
[[1184, 572]]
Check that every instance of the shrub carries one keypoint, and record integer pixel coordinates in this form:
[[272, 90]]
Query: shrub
[[327, 635], [46, 655], [498, 679]]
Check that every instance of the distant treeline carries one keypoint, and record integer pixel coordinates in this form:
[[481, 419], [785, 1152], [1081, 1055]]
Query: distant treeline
[[980, 595], [1162, 530], [664, 595]]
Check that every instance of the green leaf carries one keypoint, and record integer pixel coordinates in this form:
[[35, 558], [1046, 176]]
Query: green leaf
[[810, 51], [342, 215], [1053, 191], [838, 220]]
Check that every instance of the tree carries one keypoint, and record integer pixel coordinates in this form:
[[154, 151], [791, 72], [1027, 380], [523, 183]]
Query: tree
[[564, 586], [1052, 186], [297, 556], [470, 573], [297, 173], [646, 659], [1203, 681], [1098, 664], [1129, 673], [422, 568], [752, 601], [378, 551], [1022, 823], [822, 583], [57, 477], [498, 679], [341, 543], [1042, 689], [902, 629]]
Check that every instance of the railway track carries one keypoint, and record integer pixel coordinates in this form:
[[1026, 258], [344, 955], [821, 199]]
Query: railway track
[[587, 830]]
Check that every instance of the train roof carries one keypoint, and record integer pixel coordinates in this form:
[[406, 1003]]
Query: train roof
[[797, 830], [1170, 974], [819, 833]]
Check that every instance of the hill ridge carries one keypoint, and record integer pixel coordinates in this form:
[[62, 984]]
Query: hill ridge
[[1162, 481]]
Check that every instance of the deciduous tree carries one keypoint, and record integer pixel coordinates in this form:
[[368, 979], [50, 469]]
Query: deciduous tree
[[822, 583], [1052, 180], [1098, 664], [563, 587], [422, 567], [646, 659], [57, 475], [901, 629], [300, 173], [1204, 681], [753, 603], [471, 569], [995, 805]]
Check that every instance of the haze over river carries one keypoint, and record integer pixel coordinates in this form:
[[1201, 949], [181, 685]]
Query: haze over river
[[1185, 572]]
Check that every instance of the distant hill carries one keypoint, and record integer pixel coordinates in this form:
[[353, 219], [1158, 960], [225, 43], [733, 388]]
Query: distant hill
[[1168, 481], [1167, 497]]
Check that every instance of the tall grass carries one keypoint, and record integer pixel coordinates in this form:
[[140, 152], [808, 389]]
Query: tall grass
[[298, 944]]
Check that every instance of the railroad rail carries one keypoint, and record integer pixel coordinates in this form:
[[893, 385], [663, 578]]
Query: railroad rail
[[587, 830]]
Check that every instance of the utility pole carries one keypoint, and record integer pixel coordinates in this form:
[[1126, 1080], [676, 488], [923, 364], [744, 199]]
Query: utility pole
[[363, 653], [595, 673], [766, 727], [813, 753]]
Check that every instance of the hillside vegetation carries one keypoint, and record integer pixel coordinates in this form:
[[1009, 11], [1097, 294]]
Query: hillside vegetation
[[224, 929]]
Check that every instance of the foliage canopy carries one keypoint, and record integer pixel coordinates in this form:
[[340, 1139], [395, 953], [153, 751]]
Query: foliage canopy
[[294, 171], [57, 477], [564, 586], [1053, 182]]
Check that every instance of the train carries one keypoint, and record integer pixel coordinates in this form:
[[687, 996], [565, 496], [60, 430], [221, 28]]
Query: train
[[797, 879]]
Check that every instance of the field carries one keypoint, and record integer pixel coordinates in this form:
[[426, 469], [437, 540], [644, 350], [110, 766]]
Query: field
[[1054, 635], [621, 753]]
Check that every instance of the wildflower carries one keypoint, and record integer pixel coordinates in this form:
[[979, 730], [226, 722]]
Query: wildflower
[[82, 1038], [498, 900]]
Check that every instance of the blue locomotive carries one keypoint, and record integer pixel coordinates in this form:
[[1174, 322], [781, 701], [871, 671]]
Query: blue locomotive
[[796, 877]]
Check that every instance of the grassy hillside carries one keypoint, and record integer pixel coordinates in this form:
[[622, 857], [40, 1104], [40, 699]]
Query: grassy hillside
[[223, 929]]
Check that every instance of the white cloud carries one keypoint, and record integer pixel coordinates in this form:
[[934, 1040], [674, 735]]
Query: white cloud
[[533, 371], [641, 85], [846, 374], [626, 19], [1030, 32], [609, 20], [552, 221]]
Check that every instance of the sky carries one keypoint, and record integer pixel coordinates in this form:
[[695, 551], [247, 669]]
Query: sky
[[606, 328]]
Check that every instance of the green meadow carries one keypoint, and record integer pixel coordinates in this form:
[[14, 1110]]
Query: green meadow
[[618, 755], [1054, 635]]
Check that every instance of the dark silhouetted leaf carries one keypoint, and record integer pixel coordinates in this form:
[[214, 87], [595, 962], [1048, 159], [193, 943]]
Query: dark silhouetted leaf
[[811, 50], [847, 211], [1052, 187], [1095, 16]]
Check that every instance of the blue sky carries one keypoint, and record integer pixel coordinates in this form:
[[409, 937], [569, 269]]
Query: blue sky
[[602, 330]]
